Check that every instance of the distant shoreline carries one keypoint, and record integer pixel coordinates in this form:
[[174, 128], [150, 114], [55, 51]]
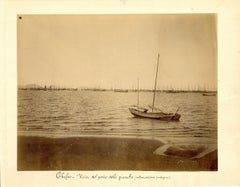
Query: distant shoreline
[[49, 89], [115, 90]]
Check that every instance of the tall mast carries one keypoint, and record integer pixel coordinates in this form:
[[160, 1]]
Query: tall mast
[[138, 93], [155, 85]]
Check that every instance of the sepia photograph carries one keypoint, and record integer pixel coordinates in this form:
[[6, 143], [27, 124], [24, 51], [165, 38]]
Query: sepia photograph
[[117, 92]]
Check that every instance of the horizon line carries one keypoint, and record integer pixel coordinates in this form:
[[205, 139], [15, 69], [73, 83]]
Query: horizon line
[[194, 88]]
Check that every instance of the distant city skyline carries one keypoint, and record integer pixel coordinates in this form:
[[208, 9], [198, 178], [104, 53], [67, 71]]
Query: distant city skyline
[[113, 51]]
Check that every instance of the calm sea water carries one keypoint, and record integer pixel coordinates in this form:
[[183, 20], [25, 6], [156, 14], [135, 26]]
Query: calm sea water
[[89, 113]]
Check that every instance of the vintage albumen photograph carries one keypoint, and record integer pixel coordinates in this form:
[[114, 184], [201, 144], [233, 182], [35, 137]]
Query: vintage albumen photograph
[[117, 92]]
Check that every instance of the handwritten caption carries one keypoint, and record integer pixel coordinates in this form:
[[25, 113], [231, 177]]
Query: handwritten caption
[[71, 176]]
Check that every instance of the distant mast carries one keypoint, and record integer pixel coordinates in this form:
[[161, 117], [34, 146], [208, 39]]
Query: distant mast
[[138, 93], [155, 85]]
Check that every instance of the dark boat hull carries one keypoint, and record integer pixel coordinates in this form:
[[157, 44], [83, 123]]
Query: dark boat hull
[[209, 94]]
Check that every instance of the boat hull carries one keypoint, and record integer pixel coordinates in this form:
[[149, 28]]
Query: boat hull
[[155, 115], [209, 94]]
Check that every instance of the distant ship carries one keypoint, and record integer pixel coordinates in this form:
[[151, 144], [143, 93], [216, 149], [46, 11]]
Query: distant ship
[[172, 91], [120, 90], [209, 94]]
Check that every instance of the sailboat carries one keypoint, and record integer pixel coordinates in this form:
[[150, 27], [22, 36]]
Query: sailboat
[[152, 112], [209, 94]]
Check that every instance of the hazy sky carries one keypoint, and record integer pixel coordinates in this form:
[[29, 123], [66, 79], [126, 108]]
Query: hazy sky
[[114, 50]]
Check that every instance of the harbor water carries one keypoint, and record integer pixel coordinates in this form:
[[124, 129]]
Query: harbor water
[[105, 113]]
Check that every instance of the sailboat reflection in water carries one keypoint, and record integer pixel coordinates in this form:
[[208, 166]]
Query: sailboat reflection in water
[[153, 112]]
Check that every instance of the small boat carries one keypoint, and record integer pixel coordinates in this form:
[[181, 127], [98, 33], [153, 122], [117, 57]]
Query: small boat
[[153, 112], [209, 94], [120, 90], [171, 91]]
